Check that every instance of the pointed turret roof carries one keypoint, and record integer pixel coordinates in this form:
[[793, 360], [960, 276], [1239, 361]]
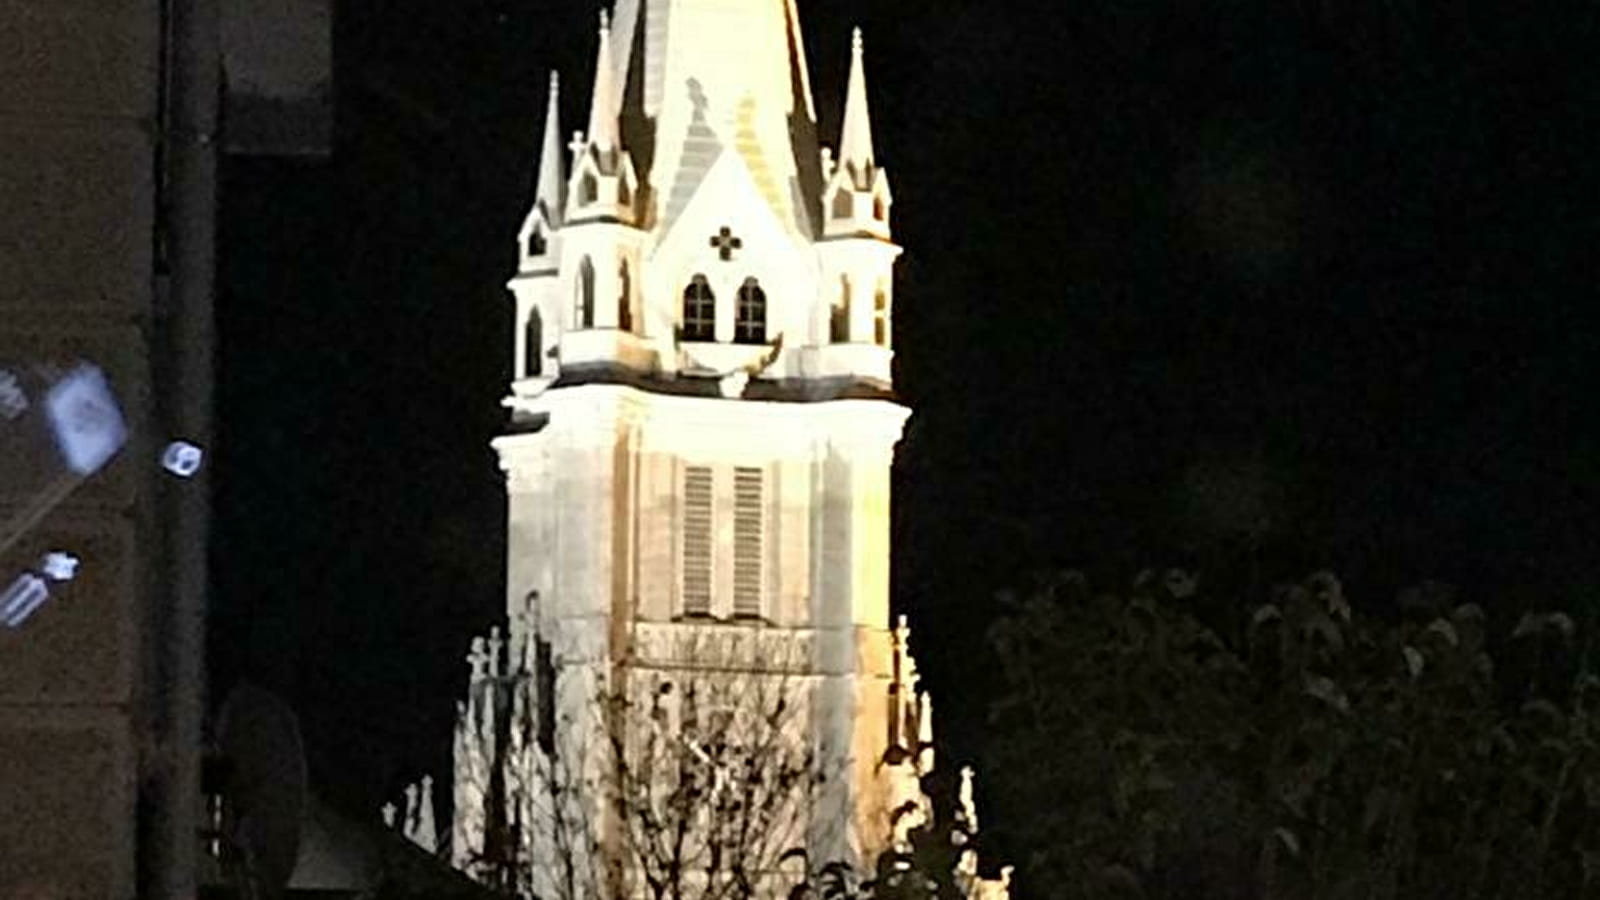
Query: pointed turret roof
[[551, 185], [855, 137], [603, 119]]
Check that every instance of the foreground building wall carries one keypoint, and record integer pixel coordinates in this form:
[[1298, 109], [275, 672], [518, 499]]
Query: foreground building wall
[[100, 687]]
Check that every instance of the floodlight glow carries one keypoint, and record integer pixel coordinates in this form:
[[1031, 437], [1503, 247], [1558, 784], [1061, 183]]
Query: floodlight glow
[[182, 458], [85, 420], [19, 601], [59, 566]]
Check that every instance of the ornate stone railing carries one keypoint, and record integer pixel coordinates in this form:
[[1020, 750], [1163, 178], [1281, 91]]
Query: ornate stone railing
[[714, 646]]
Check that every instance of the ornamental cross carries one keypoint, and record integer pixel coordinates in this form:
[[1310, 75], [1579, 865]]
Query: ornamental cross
[[725, 243]]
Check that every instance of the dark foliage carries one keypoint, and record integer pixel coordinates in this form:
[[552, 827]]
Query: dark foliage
[[1312, 752]]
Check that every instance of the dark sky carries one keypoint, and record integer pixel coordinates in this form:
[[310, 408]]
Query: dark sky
[[1176, 273]]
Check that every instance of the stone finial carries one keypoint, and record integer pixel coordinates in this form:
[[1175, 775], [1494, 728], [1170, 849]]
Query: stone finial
[[969, 810], [478, 659], [409, 823], [855, 138], [925, 735], [497, 644], [550, 193], [427, 834], [389, 811]]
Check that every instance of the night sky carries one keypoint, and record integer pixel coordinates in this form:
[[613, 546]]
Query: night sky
[[1260, 285]]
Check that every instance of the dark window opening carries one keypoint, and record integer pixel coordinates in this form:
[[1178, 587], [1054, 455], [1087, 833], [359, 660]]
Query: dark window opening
[[843, 205], [839, 321], [583, 313], [699, 311], [880, 319], [533, 349], [625, 298], [750, 318], [544, 673]]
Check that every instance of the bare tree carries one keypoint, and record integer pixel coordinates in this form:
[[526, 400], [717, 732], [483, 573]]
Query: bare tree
[[689, 771]]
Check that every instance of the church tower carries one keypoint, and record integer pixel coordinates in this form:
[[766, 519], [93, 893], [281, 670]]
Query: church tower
[[703, 421]]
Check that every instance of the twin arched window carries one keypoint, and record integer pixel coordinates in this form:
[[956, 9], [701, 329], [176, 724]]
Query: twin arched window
[[699, 310]]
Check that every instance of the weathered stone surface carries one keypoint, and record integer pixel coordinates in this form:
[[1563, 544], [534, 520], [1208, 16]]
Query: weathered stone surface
[[67, 831], [80, 646], [78, 58], [79, 216]]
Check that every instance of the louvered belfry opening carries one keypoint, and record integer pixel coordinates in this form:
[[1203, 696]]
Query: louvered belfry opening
[[696, 562], [748, 503]]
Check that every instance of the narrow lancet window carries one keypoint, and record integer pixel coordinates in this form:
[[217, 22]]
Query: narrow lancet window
[[839, 318], [625, 298], [880, 318], [583, 301], [699, 311], [750, 319], [533, 345]]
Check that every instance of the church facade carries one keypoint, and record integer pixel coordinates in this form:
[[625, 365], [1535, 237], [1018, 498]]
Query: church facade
[[703, 422]]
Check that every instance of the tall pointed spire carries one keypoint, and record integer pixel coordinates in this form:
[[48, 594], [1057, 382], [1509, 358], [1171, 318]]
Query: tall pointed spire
[[548, 196], [855, 138], [603, 115]]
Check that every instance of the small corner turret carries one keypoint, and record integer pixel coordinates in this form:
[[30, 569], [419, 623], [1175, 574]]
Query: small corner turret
[[857, 198], [538, 261], [535, 241], [856, 252], [603, 185]]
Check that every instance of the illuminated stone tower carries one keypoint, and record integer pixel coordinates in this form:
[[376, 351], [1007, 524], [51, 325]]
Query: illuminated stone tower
[[703, 422]]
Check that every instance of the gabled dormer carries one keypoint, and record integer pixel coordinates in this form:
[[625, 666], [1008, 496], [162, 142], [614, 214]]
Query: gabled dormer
[[856, 200], [603, 186]]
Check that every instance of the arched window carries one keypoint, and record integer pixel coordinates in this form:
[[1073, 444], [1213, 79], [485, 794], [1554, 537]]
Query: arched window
[[625, 298], [750, 315], [588, 188], [843, 204], [699, 311], [533, 345], [839, 320], [536, 244], [583, 302], [880, 317], [880, 209]]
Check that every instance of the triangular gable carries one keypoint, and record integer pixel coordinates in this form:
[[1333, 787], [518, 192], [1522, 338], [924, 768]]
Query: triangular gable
[[729, 195]]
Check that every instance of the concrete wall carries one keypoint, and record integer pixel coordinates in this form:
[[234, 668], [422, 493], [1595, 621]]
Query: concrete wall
[[78, 122]]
